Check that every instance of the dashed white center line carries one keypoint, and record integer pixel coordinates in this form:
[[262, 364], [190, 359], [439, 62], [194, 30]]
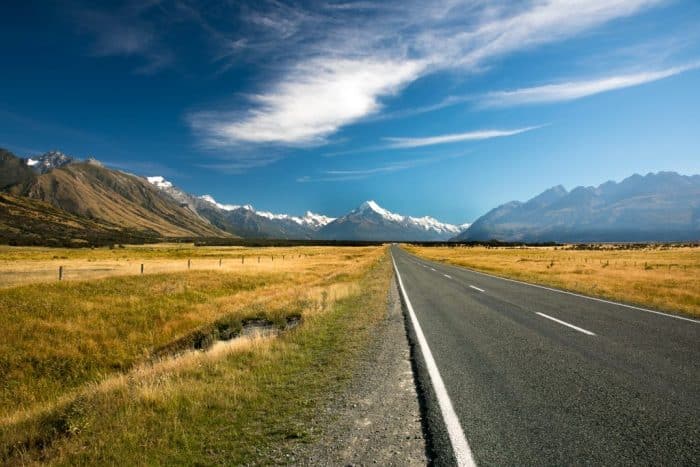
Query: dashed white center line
[[589, 333], [433, 269], [448, 276], [477, 288]]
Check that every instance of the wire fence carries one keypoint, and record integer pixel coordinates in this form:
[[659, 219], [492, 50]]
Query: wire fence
[[13, 273]]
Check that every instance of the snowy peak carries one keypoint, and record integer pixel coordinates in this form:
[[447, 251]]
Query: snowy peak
[[225, 207], [372, 206], [159, 181], [310, 220], [370, 221], [48, 161], [316, 220], [426, 223]]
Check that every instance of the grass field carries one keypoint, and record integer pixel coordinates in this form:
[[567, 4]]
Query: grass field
[[93, 371], [662, 277]]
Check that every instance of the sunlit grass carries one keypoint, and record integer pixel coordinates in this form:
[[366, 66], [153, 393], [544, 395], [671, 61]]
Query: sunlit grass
[[81, 375], [658, 277]]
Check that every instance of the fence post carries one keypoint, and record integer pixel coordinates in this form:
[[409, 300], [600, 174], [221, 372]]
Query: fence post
[[188, 263], [258, 259], [141, 268], [219, 262], [242, 259], [60, 273]]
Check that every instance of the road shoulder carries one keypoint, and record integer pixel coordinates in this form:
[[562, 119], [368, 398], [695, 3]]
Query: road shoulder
[[376, 419]]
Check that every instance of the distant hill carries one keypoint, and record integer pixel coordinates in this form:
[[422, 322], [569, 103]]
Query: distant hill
[[370, 221], [91, 191], [26, 221], [657, 207]]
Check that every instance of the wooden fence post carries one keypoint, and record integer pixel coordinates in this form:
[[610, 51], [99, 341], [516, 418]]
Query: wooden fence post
[[60, 273], [219, 262], [242, 259], [141, 268], [188, 263]]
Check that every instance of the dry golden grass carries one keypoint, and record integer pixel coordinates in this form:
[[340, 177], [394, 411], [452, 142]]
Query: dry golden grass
[[62, 335], [659, 277], [28, 265]]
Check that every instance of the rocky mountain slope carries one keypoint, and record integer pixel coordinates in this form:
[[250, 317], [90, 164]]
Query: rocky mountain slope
[[91, 191], [657, 207]]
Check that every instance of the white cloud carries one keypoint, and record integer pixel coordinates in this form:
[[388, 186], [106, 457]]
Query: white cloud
[[576, 89], [317, 99], [339, 66], [336, 175], [398, 143]]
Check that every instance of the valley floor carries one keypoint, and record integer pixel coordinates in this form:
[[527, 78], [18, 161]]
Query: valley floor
[[217, 365]]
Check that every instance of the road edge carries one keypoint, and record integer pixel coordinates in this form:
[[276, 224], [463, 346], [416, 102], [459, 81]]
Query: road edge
[[439, 448]]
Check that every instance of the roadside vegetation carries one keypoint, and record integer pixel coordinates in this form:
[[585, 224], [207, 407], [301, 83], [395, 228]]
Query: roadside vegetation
[[657, 276], [151, 369]]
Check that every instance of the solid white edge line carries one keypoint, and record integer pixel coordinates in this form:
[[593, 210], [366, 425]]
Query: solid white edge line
[[476, 288], [565, 324], [460, 446], [602, 300], [448, 276]]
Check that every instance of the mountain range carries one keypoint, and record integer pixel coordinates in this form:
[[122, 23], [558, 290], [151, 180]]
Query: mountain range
[[664, 206], [369, 221], [58, 198], [153, 206]]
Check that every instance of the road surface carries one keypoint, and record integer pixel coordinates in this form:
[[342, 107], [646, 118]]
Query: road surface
[[538, 377]]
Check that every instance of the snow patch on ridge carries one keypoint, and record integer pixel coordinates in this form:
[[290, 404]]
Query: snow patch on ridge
[[226, 207], [159, 181]]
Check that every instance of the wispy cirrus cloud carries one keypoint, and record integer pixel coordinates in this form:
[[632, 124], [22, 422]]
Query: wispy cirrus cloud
[[400, 143], [340, 175], [572, 90], [344, 64]]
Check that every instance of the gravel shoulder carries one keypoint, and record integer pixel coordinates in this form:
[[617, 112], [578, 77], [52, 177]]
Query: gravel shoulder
[[377, 419]]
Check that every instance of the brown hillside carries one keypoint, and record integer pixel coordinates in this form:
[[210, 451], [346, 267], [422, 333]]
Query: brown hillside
[[26, 221], [95, 192]]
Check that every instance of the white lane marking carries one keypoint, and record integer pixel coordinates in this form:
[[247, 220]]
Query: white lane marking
[[610, 302], [565, 324], [433, 269], [476, 288], [448, 276], [460, 446]]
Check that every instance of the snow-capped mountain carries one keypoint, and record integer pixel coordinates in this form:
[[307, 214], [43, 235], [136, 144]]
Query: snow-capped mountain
[[245, 220], [48, 161], [369, 221]]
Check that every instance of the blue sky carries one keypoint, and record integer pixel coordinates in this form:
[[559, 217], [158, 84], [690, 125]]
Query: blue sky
[[432, 108]]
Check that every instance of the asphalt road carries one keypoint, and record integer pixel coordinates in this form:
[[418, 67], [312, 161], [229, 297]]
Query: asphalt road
[[538, 377]]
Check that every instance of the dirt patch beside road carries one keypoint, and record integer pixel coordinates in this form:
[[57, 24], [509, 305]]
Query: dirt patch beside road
[[376, 420]]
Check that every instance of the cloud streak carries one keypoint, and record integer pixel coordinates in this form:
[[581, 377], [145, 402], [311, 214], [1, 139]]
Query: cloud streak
[[572, 90], [403, 143], [340, 175], [343, 65], [319, 98]]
